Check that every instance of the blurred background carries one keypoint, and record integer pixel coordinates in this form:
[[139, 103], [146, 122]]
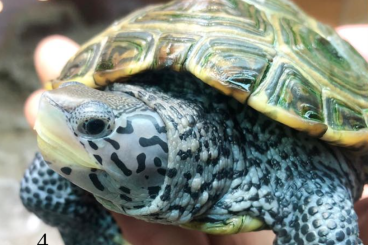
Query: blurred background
[[23, 23]]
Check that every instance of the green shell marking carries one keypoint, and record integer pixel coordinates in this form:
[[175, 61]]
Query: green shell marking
[[268, 54]]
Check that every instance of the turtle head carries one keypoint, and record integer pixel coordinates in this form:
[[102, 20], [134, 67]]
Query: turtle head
[[108, 143], [159, 152]]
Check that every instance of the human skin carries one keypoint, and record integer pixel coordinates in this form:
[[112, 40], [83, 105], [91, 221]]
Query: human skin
[[50, 56]]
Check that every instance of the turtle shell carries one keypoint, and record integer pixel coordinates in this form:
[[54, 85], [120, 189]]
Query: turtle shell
[[266, 53]]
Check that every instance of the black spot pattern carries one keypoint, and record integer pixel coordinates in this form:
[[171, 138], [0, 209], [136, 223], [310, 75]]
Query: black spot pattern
[[113, 143], [124, 189], [67, 207], [172, 172], [92, 145], [141, 159], [125, 198], [153, 191], [165, 196], [66, 170], [98, 158], [155, 140], [157, 161], [184, 155], [96, 182], [120, 164], [161, 171], [125, 130]]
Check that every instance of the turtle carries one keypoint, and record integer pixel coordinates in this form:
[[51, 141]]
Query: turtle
[[222, 116]]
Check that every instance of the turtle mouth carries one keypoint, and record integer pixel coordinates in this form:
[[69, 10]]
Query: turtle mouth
[[55, 139]]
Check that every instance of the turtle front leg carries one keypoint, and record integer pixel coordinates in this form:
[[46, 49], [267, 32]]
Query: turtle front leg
[[302, 202], [320, 211], [300, 187], [80, 219], [303, 188]]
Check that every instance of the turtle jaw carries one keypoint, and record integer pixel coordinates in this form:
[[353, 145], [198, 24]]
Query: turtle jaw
[[55, 139]]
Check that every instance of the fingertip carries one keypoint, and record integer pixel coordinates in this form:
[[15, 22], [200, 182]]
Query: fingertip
[[254, 238], [51, 55], [361, 206], [31, 106], [357, 36], [365, 192], [362, 212]]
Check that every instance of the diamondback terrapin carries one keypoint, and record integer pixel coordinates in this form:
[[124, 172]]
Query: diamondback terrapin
[[223, 116]]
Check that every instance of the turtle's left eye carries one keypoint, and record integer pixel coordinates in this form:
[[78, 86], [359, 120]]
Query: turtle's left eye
[[95, 126], [92, 120]]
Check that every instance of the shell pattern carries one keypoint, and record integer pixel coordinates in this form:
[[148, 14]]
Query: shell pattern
[[266, 53]]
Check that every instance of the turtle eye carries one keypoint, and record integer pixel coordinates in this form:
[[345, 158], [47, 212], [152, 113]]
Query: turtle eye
[[95, 126], [92, 120]]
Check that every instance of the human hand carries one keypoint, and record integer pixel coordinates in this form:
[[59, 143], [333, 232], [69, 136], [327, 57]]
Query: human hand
[[50, 56]]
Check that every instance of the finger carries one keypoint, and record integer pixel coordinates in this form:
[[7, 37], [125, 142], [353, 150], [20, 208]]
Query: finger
[[139, 232], [51, 55], [253, 238], [365, 192], [357, 36], [361, 208], [31, 106]]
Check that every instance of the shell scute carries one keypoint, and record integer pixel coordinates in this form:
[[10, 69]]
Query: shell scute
[[80, 67], [124, 54], [173, 50], [230, 64], [316, 53], [249, 21], [342, 115], [287, 89], [300, 96]]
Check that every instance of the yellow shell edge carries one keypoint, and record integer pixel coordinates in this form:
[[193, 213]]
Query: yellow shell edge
[[230, 226]]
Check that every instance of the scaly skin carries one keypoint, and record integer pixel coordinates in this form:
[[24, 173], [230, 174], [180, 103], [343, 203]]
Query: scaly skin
[[239, 163], [301, 187], [80, 219]]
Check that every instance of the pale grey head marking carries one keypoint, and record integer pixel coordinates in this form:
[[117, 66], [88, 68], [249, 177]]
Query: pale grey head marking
[[124, 136]]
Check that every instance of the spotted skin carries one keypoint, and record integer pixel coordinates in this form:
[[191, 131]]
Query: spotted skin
[[132, 171], [80, 219], [302, 188], [225, 160]]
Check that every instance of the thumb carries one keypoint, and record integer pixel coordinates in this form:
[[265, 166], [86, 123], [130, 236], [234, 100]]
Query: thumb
[[357, 36], [50, 56]]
